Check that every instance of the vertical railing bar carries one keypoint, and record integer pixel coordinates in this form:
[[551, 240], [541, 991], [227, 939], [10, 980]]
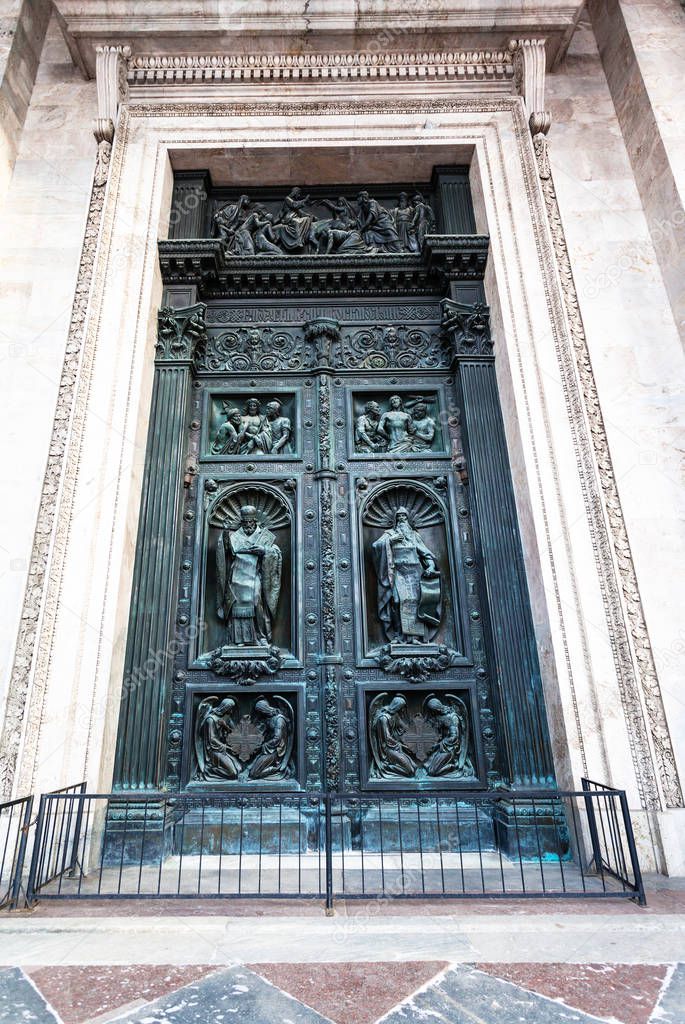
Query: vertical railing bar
[[518, 845], [480, 847], [142, 847], [221, 849], [261, 836], [380, 834], [361, 830], [123, 848], [499, 850], [342, 842], [162, 841], [461, 852], [19, 857], [103, 852], [81, 873], [399, 825], [180, 852], [418, 822], [328, 839], [240, 849], [437, 821], [557, 835], [280, 841], [579, 848], [537, 843], [202, 847], [632, 849]]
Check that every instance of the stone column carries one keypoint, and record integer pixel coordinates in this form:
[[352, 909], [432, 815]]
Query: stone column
[[138, 764], [513, 639]]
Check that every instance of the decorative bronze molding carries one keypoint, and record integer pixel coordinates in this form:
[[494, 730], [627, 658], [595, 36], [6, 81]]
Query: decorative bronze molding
[[467, 328], [181, 333]]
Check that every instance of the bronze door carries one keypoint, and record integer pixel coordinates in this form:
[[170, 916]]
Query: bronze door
[[329, 582]]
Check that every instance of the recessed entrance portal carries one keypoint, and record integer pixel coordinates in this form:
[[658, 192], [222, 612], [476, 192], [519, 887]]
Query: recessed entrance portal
[[329, 591]]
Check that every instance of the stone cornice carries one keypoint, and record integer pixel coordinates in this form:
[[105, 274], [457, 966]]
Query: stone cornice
[[477, 66], [170, 27]]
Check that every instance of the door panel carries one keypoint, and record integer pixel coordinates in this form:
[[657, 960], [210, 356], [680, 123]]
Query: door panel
[[339, 640]]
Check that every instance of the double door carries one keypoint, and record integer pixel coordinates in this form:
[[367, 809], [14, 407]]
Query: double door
[[329, 578]]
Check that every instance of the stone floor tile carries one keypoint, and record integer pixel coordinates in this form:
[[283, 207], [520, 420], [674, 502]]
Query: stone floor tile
[[81, 993], [624, 992], [671, 1006], [464, 995], [236, 994], [19, 1000], [354, 993]]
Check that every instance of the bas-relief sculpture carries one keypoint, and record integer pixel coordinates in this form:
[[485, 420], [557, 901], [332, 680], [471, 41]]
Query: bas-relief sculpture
[[366, 227], [404, 427], [252, 432], [249, 563], [248, 580], [395, 753], [409, 583], [257, 746]]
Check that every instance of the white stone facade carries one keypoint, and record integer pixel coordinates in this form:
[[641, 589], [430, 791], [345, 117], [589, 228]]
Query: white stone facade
[[585, 310]]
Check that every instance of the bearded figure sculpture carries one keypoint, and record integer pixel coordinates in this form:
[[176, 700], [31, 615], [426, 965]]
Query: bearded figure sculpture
[[249, 564]]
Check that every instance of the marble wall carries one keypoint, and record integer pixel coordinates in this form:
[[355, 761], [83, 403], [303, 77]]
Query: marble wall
[[631, 331], [41, 227]]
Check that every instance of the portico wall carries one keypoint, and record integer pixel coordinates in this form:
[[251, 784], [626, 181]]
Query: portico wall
[[68, 695]]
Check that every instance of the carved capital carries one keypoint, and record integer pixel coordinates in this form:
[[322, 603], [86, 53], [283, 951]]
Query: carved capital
[[112, 90], [181, 333], [467, 328], [529, 78]]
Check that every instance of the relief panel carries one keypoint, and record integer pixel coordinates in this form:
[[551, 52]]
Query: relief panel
[[247, 595], [420, 736], [404, 422], [243, 738], [240, 424]]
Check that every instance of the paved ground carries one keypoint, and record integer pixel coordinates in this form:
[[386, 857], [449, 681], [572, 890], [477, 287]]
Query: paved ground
[[213, 962]]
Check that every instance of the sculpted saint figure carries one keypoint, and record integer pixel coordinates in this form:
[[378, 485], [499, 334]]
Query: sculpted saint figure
[[255, 435], [423, 221], [280, 427], [226, 440], [226, 220], [398, 426], [249, 566], [424, 428], [391, 757], [450, 755], [404, 215], [377, 225], [409, 583], [213, 723], [275, 721], [292, 227], [367, 436]]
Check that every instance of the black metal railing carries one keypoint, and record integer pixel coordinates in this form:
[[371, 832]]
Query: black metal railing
[[448, 843], [15, 823]]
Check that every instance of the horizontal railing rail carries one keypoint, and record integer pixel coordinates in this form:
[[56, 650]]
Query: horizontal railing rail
[[15, 823], [384, 844]]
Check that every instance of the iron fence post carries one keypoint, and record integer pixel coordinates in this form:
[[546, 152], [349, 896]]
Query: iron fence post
[[36, 853], [77, 829], [632, 850], [328, 828], [592, 825], [21, 855]]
